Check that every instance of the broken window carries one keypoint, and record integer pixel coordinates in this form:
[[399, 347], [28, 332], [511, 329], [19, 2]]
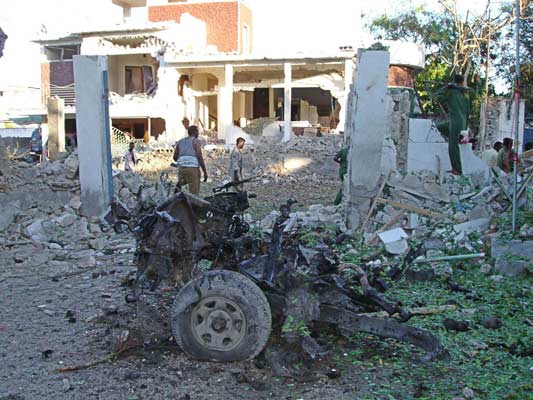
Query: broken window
[[139, 79]]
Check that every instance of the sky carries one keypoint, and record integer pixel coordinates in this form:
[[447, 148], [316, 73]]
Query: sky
[[289, 25]]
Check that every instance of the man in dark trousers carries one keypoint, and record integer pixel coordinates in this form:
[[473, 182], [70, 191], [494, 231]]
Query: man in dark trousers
[[458, 99], [342, 159], [189, 159], [235, 167]]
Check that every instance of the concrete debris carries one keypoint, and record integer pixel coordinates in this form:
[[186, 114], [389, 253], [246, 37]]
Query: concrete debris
[[394, 241], [513, 257]]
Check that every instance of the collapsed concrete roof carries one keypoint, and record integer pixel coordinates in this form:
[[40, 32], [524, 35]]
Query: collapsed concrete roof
[[137, 29]]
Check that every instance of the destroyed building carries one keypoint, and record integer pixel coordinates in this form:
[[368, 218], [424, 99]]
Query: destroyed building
[[196, 60]]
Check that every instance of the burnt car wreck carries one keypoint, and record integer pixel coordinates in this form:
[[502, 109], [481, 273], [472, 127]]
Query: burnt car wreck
[[235, 288]]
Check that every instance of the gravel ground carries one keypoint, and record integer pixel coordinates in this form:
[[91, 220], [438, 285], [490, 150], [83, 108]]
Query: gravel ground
[[51, 321]]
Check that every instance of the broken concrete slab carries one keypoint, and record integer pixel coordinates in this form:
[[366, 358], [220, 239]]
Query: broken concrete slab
[[8, 214], [512, 267], [428, 151], [517, 248], [394, 240], [473, 166], [476, 225], [478, 212], [30, 198]]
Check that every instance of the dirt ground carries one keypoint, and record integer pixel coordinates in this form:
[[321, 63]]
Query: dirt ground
[[50, 321], [75, 316], [53, 320]]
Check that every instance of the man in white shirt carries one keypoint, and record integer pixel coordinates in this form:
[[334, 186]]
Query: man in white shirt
[[490, 156], [130, 158]]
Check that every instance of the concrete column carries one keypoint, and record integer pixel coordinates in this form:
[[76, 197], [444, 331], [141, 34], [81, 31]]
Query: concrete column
[[200, 84], [126, 13], [271, 103], [56, 126], [239, 105], [93, 130], [365, 133], [225, 102], [172, 107], [249, 105], [287, 130], [343, 100]]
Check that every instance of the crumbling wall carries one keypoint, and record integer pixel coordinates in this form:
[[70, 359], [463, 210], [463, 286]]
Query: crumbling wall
[[366, 128], [396, 141], [498, 121]]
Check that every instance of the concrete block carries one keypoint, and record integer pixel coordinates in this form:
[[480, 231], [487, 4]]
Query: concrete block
[[473, 166], [428, 151], [424, 131], [511, 267], [517, 248], [479, 225], [56, 127], [7, 215]]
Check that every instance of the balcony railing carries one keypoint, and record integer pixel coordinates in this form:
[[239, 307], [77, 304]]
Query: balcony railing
[[67, 93]]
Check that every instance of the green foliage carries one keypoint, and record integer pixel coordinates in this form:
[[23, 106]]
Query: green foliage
[[452, 43], [297, 327], [308, 238], [492, 362], [506, 66]]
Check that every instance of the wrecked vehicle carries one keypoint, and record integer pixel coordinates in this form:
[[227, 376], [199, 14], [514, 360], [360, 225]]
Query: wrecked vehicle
[[235, 288]]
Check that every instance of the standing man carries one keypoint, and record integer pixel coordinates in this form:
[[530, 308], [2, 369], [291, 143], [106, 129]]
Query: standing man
[[36, 145], [490, 156], [342, 159], [130, 158], [458, 99], [506, 156], [235, 166], [188, 157]]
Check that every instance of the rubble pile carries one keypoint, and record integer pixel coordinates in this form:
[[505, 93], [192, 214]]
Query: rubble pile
[[41, 218], [448, 217], [301, 159], [316, 216]]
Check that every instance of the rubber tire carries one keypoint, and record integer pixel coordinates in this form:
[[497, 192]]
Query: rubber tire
[[235, 287]]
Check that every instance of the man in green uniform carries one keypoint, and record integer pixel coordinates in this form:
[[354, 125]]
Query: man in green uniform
[[342, 158], [458, 99]]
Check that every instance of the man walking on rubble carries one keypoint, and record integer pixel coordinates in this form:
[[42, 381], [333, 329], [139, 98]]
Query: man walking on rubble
[[130, 158], [342, 159], [189, 159], [458, 99], [235, 166]]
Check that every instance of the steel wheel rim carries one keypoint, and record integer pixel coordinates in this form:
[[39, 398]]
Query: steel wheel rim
[[218, 323]]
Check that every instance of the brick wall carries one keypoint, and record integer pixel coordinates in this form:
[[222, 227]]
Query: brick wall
[[61, 73], [222, 20], [401, 76]]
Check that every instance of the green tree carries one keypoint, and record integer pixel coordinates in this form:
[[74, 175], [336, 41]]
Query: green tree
[[506, 65], [454, 43]]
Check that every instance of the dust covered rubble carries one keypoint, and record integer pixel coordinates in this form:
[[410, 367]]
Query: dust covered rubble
[[448, 217], [302, 158], [41, 223]]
